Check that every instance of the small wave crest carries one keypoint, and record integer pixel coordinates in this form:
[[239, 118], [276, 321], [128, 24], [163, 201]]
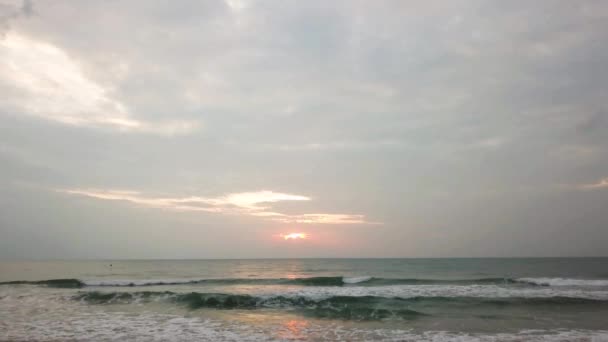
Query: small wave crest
[[355, 280], [58, 283], [140, 282], [564, 282]]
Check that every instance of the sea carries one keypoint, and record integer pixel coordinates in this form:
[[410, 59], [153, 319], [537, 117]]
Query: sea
[[490, 299]]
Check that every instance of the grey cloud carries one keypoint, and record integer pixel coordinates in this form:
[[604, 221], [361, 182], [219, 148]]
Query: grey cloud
[[451, 120]]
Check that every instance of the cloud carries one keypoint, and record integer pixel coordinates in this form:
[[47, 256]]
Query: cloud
[[177, 204], [40, 80], [244, 203], [420, 112], [324, 219], [251, 200], [342, 145], [11, 10], [237, 5], [601, 184]]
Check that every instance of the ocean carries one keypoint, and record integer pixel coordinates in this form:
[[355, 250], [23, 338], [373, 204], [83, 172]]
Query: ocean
[[511, 299]]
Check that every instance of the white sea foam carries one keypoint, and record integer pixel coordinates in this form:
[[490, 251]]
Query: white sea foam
[[565, 281], [42, 314], [410, 291], [402, 291], [117, 326], [355, 280]]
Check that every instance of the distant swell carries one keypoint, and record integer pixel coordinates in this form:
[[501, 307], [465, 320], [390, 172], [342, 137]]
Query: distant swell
[[60, 283], [314, 281]]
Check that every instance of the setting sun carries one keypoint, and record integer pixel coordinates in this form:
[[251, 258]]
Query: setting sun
[[294, 236]]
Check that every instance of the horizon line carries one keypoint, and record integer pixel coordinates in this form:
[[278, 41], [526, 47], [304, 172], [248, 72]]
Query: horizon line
[[299, 258]]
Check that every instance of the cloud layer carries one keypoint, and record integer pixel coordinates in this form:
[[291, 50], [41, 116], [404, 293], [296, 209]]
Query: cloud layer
[[244, 203], [41, 80], [468, 128]]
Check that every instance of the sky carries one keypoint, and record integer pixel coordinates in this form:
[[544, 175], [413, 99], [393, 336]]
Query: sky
[[280, 129]]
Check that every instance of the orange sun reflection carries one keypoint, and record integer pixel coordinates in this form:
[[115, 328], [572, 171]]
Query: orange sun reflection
[[294, 236], [294, 329]]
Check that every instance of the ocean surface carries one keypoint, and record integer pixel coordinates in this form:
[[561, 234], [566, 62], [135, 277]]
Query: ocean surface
[[526, 299]]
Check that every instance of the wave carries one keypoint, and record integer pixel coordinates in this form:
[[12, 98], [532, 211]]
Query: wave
[[150, 326], [564, 282], [77, 283], [311, 281], [335, 307], [59, 283], [367, 281], [417, 281], [356, 280]]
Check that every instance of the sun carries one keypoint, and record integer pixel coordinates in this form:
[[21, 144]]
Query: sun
[[295, 236]]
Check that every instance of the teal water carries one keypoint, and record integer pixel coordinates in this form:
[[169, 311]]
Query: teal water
[[556, 299]]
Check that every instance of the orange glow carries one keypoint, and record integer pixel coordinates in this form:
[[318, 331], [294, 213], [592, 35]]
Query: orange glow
[[295, 236], [294, 329]]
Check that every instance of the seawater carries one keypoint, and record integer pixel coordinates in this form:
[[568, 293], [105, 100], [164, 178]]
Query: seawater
[[518, 299]]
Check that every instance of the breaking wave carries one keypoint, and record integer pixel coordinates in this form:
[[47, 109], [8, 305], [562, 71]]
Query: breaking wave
[[564, 282], [335, 307]]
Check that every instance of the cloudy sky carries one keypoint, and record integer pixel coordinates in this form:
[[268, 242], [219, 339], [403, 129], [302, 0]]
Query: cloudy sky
[[212, 129]]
